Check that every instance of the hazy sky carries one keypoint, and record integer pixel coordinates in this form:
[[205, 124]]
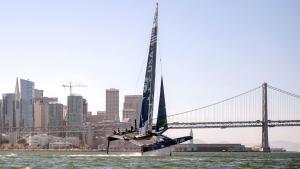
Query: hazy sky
[[210, 49]]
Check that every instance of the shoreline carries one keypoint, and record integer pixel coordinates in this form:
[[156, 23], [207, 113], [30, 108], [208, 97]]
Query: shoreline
[[97, 151]]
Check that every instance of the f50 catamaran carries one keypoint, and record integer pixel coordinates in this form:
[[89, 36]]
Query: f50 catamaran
[[150, 138]]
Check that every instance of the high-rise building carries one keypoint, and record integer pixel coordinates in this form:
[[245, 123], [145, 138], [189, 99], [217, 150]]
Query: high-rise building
[[65, 113], [8, 117], [75, 112], [8, 110], [37, 114], [27, 103], [112, 104], [17, 104], [38, 93], [131, 108], [41, 112], [1, 116], [55, 115], [85, 110], [89, 113], [55, 118]]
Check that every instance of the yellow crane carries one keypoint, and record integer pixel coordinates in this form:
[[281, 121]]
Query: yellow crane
[[70, 86]]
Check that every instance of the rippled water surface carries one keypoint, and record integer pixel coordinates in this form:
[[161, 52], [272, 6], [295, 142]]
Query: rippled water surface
[[71, 160]]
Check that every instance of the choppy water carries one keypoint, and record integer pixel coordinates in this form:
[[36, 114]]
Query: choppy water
[[72, 160]]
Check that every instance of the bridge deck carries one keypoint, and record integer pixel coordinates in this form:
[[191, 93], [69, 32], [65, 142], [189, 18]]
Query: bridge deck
[[237, 124]]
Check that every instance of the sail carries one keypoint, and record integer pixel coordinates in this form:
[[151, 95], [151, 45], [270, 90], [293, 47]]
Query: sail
[[149, 84], [153, 142], [161, 123]]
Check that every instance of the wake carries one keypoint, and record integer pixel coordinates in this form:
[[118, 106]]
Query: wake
[[104, 155]]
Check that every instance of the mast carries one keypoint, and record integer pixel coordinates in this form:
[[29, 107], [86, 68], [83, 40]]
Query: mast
[[149, 84]]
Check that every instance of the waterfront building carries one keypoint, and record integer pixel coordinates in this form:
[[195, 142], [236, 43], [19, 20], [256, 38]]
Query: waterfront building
[[43, 140], [74, 141], [75, 113], [8, 100], [97, 135], [209, 148], [131, 108], [27, 103], [112, 104], [38, 141], [60, 145]]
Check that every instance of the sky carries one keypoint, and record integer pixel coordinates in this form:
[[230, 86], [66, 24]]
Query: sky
[[210, 50]]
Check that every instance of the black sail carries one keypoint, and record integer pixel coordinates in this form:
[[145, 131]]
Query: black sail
[[149, 84], [161, 123]]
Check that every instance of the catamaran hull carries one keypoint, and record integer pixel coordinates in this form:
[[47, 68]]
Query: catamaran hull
[[167, 151], [161, 148]]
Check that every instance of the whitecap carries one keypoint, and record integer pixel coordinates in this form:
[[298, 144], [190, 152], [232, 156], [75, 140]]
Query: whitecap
[[11, 155]]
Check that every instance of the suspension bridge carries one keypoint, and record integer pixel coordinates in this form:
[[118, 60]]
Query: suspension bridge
[[264, 106]]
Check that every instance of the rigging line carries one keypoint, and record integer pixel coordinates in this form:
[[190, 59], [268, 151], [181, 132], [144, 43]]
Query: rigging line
[[160, 61], [141, 70], [217, 102], [159, 52], [282, 91]]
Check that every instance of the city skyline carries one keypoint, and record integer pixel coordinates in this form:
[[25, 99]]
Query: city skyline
[[208, 51], [38, 94]]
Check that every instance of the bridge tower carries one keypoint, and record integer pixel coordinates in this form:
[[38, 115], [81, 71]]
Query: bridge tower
[[265, 135], [192, 135]]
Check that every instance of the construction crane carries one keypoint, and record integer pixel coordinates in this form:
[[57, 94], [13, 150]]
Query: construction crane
[[70, 86]]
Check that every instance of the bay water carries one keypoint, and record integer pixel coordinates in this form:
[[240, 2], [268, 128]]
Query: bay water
[[74, 160]]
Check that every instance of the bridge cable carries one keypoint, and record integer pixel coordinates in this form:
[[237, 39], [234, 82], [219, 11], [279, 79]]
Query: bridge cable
[[249, 91], [283, 91]]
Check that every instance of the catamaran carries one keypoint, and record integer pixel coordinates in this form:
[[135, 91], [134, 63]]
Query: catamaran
[[147, 137]]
